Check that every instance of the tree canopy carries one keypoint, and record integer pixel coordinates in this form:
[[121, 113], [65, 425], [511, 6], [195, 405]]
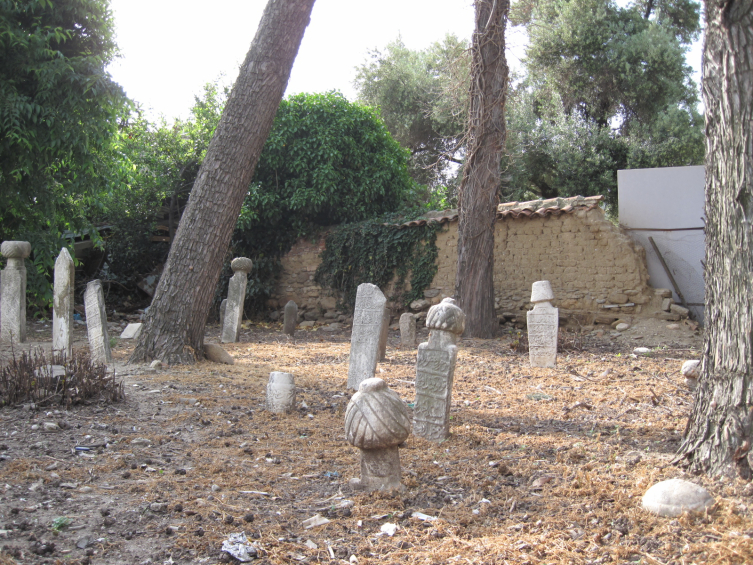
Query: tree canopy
[[58, 110], [326, 161], [605, 87], [423, 98]]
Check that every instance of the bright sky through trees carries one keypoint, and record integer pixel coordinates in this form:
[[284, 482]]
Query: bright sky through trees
[[171, 48]]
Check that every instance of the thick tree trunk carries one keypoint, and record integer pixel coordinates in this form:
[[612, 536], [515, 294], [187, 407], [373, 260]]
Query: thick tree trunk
[[479, 189], [174, 326], [720, 429]]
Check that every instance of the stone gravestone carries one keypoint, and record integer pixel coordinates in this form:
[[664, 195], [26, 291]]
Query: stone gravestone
[[280, 392], [435, 369], [367, 327], [62, 304], [223, 305], [543, 322], [408, 330], [383, 335], [291, 318], [96, 323], [376, 421], [13, 285], [236, 296]]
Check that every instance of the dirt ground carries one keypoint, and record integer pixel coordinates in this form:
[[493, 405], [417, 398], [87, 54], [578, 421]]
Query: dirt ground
[[543, 465]]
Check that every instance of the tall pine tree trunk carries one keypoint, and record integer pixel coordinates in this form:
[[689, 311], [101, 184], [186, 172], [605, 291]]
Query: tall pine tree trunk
[[720, 429], [479, 189], [174, 327]]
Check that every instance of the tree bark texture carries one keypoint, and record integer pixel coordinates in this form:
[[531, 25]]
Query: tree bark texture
[[174, 326], [479, 189], [720, 429]]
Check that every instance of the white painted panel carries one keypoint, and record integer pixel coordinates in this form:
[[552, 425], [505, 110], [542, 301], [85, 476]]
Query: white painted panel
[[663, 204]]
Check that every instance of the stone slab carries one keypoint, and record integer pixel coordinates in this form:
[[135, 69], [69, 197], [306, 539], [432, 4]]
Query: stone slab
[[368, 318], [62, 303], [96, 323], [131, 331], [291, 318], [408, 330], [435, 369], [543, 324]]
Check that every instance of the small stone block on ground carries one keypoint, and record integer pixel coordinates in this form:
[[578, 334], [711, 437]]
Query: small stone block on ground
[[131, 331]]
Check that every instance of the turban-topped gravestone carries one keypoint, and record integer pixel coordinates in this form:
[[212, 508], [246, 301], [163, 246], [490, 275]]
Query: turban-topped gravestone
[[543, 323], [13, 285], [236, 296], [435, 370], [377, 421]]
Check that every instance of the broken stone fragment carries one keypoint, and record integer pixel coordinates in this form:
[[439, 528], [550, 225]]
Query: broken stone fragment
[[376, 421], [280, 392], [216, 354]]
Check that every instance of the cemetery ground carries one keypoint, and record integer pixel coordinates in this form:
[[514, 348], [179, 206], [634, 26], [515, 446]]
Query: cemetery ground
[[543, 465]]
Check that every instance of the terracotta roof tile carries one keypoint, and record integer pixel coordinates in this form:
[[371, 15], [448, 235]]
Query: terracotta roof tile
[[542, 208]]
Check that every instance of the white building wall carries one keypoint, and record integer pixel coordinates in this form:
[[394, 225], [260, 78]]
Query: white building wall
[[667, 204]]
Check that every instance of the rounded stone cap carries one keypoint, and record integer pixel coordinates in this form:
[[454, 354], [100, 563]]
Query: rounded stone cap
[[242, 264], [15, 249], [279, 378], [541, 291], [675, 496], [376, 416], [446, 316]]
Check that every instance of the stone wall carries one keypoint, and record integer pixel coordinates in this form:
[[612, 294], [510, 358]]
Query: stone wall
[[597, 273]]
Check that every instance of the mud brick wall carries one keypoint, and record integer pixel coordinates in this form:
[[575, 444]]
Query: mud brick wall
[[596, 271]]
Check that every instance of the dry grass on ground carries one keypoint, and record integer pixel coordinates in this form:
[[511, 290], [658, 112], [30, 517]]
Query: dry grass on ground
[[543, 466]]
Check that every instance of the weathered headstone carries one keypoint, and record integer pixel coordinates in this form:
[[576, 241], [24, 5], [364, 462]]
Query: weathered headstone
[[435, 369], [291, 318], [384, 334], [62, 303], [543, 322], [96, 323], [280, 392], [223, 307], [236, 296], [408, 330], [13, 285], [367, 327], [377, 421]]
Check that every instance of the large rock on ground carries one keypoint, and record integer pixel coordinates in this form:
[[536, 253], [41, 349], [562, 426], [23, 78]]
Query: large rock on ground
[[675, 496], [216, 354]]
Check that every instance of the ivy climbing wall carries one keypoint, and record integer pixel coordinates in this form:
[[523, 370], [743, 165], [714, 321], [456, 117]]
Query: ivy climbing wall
[[598, 274]]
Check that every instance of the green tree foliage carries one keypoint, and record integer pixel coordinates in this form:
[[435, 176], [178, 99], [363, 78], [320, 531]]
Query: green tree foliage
[[423, 98], [153, 168], [326, 161], [607, 89], [58, 110], [605, 62]]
